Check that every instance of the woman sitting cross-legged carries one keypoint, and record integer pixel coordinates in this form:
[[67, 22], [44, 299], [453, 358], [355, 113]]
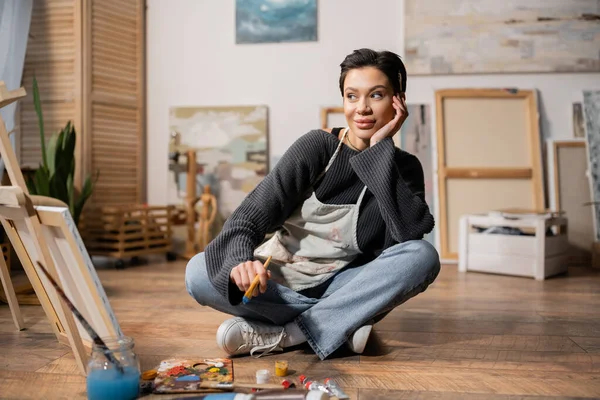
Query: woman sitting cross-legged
[[348, 215]]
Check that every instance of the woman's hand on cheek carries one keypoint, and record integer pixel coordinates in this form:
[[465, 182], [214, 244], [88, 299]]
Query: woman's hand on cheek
[[392, 127]]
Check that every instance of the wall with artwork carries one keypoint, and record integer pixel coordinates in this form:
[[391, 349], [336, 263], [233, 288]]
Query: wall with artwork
[[205, 54]]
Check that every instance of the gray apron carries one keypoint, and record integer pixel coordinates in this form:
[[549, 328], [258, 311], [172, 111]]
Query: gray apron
[[315, 242]]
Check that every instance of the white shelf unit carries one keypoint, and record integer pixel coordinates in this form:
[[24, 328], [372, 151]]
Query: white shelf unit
[[538, 256]]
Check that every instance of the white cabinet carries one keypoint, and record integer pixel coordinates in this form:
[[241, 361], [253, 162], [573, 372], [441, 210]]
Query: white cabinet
[[536, 254]]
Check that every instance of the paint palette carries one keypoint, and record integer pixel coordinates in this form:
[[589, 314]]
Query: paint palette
[[185, 375]]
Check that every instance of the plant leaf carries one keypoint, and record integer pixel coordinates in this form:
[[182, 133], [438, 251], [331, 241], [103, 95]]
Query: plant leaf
[[71, 194], [69, 147], [51, 153], [64, 158], [58, 188], [38, 110], [86, 192], [30, 184], [41, 181]]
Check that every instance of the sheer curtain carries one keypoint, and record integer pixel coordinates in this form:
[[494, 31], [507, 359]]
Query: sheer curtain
[[15, 17]]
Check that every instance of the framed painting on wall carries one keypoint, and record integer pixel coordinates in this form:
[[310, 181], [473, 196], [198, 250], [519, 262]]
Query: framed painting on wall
[[231, 152], [269, 21], [489, 36]]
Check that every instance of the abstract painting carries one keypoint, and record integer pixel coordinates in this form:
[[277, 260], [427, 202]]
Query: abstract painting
[[415, 137], [591, 112], [269, 21], [490, 36], [578, 128], [231, 152]]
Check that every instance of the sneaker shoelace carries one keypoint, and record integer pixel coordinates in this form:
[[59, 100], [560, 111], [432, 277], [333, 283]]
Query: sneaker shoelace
[[264, 343]]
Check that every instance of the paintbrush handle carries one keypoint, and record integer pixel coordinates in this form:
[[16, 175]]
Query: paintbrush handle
[[238, 385], [95, 337], [256, 281]]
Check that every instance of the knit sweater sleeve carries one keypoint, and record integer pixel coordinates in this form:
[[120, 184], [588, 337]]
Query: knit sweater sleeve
[[395, 177], [265, 209]]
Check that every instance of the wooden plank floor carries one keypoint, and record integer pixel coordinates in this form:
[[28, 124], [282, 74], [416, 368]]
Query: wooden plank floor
[[469, 336]]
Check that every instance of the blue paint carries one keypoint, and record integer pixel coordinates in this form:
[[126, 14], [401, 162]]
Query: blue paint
[[111, 384], [188, 378]]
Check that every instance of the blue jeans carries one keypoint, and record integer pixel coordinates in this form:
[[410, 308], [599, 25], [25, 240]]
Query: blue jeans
[[329, 313]]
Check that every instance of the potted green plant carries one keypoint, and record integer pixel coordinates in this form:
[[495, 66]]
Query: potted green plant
[[55, 175]]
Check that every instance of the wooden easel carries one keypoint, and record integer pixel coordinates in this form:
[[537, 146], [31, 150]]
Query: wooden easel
[[190, 200], [15, 204], [54, 312], [7, 97], [41, 229]]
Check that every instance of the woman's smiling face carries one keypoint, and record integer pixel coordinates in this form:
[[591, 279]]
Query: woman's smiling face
[[368, 98]]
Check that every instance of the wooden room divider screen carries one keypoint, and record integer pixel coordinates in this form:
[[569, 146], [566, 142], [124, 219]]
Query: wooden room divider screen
[[88, 59], [489, 156]]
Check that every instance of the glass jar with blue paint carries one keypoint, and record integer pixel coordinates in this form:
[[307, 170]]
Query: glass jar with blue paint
[[105, 380]]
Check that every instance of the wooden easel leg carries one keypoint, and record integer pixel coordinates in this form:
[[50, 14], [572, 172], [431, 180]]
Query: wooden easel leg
[[33, 278], [9, 290], [75, 340], [190, 201]]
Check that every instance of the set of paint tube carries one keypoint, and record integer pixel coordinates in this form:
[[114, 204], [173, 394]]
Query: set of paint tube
[[265, 395], [328, 386]]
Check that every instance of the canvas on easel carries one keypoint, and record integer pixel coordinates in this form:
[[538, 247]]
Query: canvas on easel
[[81, 284], [41, 230]]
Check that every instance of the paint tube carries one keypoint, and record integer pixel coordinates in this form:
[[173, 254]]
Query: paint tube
[[287, 384], [336, 389], [291, 395], [221, 396], [314, 385]]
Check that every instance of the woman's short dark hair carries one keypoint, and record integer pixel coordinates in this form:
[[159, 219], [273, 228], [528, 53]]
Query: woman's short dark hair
[[387, 62]]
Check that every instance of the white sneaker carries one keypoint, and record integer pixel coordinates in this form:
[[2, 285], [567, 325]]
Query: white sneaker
[[358, 340], [241, 336]]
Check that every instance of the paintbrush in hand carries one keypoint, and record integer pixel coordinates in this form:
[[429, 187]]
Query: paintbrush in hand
[[95, 337], [249, 293]]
